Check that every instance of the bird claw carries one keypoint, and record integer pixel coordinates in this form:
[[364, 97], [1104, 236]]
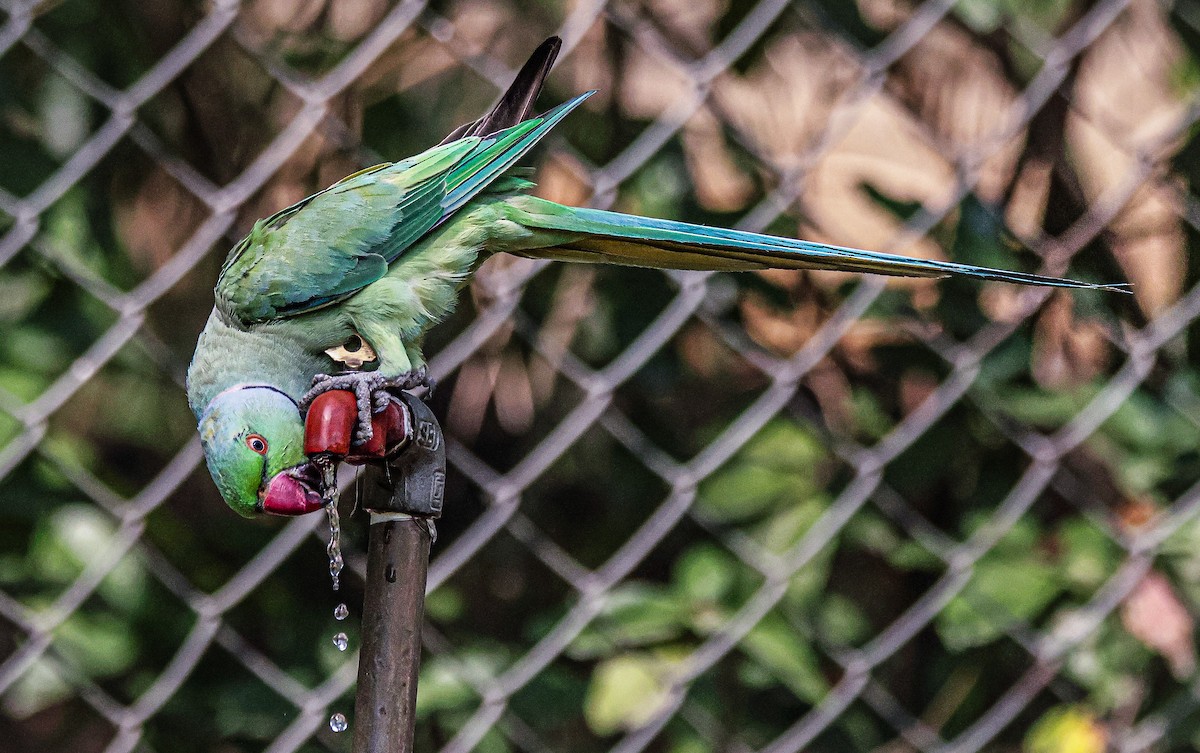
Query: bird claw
[[371, 392]]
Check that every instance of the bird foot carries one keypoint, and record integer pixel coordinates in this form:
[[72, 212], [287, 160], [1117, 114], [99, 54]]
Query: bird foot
[[371, 391]]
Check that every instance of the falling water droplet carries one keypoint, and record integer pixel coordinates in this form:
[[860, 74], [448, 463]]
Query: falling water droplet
[[341, 641], [329, 481], [338, 722], [341, 612]]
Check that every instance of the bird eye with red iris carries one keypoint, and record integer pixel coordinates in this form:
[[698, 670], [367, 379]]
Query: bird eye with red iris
[[256, 443]]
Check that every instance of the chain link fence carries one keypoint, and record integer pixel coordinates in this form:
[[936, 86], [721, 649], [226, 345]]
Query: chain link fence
[[770, 512]]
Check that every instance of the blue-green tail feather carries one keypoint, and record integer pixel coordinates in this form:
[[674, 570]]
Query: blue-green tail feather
[[578, 234]]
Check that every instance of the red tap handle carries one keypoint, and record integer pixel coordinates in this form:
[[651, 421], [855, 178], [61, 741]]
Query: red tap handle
[[329, 428], [329, 424]]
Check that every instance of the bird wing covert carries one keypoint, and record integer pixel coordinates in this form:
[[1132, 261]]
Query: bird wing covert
[[336, 242]]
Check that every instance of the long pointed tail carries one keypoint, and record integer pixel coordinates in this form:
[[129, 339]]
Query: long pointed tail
[[592, 235]]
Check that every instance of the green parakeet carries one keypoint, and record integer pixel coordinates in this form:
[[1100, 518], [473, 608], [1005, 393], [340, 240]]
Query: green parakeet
[[382, 255]]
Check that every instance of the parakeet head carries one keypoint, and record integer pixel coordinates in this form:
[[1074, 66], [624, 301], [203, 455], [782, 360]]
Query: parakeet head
[[253, 439]]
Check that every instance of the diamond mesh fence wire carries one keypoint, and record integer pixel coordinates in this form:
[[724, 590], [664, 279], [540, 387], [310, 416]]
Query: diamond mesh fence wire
[[772, 512]]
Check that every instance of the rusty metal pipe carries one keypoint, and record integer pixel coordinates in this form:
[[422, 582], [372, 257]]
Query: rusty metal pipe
[[403, 504], [393, 611]]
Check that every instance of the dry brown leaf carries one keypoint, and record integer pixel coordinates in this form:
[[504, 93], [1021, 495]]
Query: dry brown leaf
[[784, 279], [272, 17], [704, 354], [690, 21], [784, 102], [650, 85], [349, 20], [410, 61], [915, 389], [159, 219], [1126, 85], [959, 91], [559, 179], [780, 331], [1026, 208], [1129, 102], [720, 185], [1067, 352], [1002, 302], [832, 392], [1156, 267], [574, 299], [472, 393], [513, 394], [479, 28], [1154, 615], [883, 149], [589, 66], [477, 383], [885, 15], [858, 345]]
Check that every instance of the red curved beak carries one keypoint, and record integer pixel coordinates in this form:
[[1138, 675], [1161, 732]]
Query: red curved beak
[[295, 491]]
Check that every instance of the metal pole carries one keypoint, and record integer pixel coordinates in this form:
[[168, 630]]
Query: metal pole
[[403, 507], [393, 609]]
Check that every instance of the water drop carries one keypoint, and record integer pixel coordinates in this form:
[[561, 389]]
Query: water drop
[[338, 722], [341, 612], [341, 641], [329, 481]]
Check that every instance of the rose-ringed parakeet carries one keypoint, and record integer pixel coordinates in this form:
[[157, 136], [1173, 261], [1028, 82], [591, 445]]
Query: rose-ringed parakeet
[[382, 254]]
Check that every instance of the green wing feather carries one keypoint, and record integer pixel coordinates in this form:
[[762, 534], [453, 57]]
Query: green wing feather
[[334, 243]]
